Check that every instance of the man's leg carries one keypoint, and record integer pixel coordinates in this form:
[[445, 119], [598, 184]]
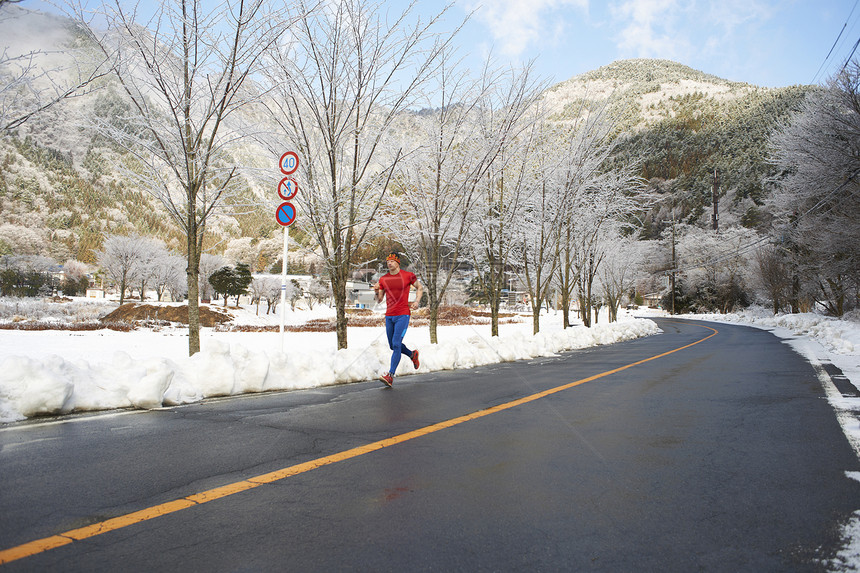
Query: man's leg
[[397, 326]]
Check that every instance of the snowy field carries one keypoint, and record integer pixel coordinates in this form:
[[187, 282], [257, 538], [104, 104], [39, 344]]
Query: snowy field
[[57, 372]]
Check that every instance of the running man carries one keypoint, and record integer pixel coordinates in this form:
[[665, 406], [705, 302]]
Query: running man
[[395, 287]]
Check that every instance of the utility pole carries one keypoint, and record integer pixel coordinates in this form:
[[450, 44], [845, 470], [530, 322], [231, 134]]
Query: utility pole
[[716, 199], [674, 265]]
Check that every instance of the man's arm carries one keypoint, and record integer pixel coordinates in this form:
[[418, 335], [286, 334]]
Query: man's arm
[[419, 292], [378, 292]]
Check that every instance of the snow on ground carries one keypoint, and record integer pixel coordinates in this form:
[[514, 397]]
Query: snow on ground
[[56, 372]]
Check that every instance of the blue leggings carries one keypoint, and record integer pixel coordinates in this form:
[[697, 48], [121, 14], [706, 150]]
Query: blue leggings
[[395, 328]]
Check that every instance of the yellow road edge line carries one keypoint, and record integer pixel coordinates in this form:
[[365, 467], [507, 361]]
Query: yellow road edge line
[[45, 544]]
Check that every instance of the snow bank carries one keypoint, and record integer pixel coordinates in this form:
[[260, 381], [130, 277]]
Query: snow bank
[[839, 336], [31, 386]]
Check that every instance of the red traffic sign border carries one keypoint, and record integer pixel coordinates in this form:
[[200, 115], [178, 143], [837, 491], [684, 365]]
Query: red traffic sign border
[[287, 219], [288, 196], [292, 154]]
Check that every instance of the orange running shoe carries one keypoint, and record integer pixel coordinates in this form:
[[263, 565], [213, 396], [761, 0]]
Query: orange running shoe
[[415, 362], [388, 379]]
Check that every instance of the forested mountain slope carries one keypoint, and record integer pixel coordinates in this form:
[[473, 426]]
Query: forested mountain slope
[[61, 194], [682, 125]]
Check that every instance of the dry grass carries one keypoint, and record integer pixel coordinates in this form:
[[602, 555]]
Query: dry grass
[[70, 326], [134, 315]]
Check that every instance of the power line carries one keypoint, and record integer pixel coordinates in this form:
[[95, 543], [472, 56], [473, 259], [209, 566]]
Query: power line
[[745, 248], [848, 59], [833, 47]]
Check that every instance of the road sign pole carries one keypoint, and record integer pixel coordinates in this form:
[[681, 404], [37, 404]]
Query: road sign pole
[[284, 284], [285, 215]]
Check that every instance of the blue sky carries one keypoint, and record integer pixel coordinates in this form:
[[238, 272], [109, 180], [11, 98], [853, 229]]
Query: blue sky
[[770, 43]]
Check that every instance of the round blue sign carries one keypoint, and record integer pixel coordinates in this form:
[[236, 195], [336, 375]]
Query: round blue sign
[[285, 214]]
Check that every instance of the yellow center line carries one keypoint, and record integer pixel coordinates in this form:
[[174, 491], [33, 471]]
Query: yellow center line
[[54, 541]]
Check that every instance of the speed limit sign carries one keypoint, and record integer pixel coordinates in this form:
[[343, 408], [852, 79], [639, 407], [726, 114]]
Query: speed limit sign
[[289, 162]]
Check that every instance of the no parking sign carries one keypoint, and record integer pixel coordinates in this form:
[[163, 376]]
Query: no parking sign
[[285, 214]]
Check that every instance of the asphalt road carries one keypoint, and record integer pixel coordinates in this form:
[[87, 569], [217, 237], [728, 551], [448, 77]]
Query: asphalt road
[[722, 456]]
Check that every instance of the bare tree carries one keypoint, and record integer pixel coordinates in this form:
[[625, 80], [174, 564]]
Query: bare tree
[[774, 275], [596, 197], [186, 72], [337, 92], [160, 268], [36, 80], [318, 291], [621, 269], [504, 122], [543, 212], [431, 208], [208, 265], [264, 287], [121, 258], [817, 194]]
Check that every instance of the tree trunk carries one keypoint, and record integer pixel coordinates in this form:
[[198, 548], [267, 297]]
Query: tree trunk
[[495, 303], [193, 312], [338, 287], [432, 301], [565, 308], [122, 290], [193, 274], [434, 321], [584, 310]]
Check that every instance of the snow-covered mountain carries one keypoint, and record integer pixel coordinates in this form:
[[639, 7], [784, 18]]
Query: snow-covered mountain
[[60, 192]]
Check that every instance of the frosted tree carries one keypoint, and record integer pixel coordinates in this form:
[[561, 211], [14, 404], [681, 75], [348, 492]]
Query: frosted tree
[[337, 91], [34, 81], [620, 270], [431, 207], [543, 211], [161, 269], [264, 287], [208, 264], [598, 196], [241, 251], [151, 263], [504, 122], [774, 275], [715, 266], [186, 70], [22, 240], [120, 258], [171, 278], [817, 196]]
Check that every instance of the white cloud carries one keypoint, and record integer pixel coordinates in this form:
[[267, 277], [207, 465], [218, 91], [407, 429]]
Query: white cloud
[[675, 29], [649, 28], [518, 24]]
